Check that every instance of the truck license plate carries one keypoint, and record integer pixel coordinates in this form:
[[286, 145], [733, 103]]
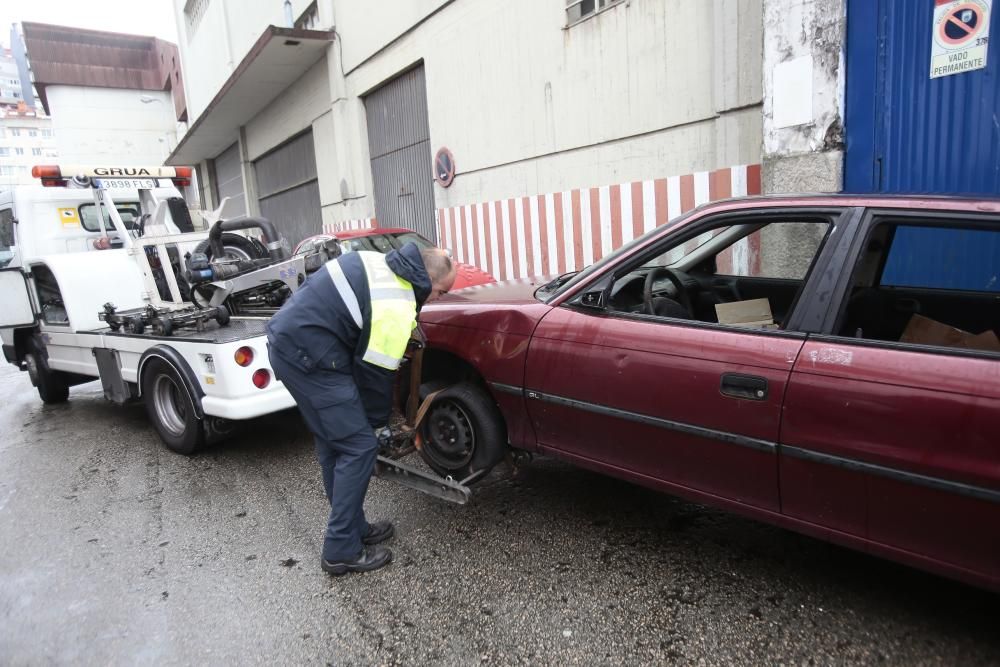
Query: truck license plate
[[125, 183]]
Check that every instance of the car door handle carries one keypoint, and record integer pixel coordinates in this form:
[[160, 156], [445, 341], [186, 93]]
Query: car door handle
[[749, 387]]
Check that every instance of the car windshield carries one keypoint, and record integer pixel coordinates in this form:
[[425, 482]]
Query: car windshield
[[568, 281]]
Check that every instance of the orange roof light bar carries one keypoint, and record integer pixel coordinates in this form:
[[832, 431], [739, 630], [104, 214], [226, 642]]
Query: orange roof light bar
[[46, 171]]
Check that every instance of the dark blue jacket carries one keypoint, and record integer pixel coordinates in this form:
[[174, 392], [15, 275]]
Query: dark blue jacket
[[315, 332]]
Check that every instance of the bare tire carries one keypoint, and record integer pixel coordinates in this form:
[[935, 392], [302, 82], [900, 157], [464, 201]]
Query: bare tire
[[52, 386], [170, 407], [463, 433]]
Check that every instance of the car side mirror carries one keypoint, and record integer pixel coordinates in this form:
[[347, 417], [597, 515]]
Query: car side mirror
[[592, 299]]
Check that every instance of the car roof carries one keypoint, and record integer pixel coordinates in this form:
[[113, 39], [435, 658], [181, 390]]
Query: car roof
[[915, 202]]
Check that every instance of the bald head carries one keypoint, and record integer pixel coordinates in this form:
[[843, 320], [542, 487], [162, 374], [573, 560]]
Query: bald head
[[440, 269]]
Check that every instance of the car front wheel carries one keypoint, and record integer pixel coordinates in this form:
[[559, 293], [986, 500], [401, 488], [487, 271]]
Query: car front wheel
[[463, 434]]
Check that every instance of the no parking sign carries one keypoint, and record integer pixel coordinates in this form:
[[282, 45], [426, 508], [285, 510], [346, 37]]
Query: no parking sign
[[961, 36]]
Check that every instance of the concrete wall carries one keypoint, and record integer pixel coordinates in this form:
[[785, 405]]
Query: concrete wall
[[528, 106], [112, 125], [804, 95]]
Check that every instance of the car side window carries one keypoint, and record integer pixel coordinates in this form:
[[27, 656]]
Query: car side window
[[920, 283], [6, 237], [746, 274], [381, 243]]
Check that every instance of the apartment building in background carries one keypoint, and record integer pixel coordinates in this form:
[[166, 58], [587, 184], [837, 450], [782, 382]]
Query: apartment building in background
[[26, 139], [113, 98]]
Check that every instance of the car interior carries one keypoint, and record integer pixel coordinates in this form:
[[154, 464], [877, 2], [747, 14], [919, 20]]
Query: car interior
[[948, 274], [739, 262]]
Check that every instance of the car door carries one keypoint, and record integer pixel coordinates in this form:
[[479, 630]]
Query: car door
[[891, 415], [675, 402]]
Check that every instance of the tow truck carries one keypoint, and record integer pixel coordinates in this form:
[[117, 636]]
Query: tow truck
[[103, 275]]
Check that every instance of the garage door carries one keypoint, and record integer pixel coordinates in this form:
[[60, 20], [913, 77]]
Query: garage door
[[287, 189], [399, 141], [229, 181]]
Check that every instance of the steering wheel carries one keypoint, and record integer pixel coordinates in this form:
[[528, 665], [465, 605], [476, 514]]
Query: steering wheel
[[682, 294]]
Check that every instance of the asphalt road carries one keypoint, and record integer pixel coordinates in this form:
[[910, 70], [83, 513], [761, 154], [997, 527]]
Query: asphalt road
[[115, 551]]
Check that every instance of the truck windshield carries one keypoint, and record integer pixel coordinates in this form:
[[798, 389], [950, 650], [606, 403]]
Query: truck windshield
[[129, 211]]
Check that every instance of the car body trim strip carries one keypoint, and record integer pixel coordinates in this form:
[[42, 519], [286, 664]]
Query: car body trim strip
[[507, 388], [670, 425], [937, 483]]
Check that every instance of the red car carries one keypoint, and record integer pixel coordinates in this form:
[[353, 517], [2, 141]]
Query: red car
[[827, 364], [391, 238]]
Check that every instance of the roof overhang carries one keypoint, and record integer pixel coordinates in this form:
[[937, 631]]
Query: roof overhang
[[275, 61]]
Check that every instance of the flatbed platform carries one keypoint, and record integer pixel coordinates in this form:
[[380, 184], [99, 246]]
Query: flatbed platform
[[238, 328]]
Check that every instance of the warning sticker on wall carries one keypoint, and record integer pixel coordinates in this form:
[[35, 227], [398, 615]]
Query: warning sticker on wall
[[69, 217], [961, 36]]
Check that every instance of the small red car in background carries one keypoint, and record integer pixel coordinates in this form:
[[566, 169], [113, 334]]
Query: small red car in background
[[393, 238]]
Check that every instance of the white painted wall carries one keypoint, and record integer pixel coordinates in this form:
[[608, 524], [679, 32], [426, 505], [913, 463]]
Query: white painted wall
[[227, 31], [112, 125]]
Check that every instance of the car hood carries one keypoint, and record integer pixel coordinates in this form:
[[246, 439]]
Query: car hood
[[508, 307]]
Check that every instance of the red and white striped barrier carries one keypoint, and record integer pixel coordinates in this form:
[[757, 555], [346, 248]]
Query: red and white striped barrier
[[567, 231]]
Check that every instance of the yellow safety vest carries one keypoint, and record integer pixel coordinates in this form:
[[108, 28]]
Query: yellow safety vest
[[394, 309]]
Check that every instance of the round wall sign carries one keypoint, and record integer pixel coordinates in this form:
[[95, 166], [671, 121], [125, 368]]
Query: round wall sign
[[444, 167]]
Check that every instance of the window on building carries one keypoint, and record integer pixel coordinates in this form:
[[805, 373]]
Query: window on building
[[6, 170], [14, 82], [46, 133], [4, 151], [3, 132], [36, 151], [16, 94], [579, 9], [32, 133], [194, 10], [18, 151], [15, 131]]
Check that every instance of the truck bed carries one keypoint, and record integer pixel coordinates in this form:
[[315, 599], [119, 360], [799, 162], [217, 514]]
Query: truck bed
[[237, 329]]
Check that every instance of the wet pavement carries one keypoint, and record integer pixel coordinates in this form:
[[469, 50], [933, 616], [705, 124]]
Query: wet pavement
[[115, 551]]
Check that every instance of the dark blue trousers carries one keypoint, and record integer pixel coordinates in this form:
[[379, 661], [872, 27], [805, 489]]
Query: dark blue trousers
[[345, 446]]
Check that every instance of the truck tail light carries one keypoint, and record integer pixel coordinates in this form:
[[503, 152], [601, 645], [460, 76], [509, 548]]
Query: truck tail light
[[243, 357], [261, 378]]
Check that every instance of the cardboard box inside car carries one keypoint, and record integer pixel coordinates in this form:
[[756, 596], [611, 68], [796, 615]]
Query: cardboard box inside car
[[925, 331], [750, 313]]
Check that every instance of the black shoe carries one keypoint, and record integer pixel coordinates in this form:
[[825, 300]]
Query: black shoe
[[379, 532], [370, 558]]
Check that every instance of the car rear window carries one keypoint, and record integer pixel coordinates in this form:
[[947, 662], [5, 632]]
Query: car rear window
[[943, 258], [129, 211], [412, 237]]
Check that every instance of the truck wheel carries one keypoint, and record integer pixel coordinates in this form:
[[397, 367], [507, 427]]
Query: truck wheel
[[52, 386], [170, 407], [463, 433]]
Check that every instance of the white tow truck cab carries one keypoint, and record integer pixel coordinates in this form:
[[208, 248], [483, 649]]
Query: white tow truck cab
[[103, 276]]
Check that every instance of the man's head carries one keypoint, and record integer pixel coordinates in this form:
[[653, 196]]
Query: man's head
[[440, 269]]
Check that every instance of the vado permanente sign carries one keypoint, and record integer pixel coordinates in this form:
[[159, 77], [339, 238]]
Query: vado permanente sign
[[961, 39]]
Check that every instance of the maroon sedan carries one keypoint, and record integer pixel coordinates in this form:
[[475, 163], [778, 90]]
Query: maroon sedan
[[827, 364]]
